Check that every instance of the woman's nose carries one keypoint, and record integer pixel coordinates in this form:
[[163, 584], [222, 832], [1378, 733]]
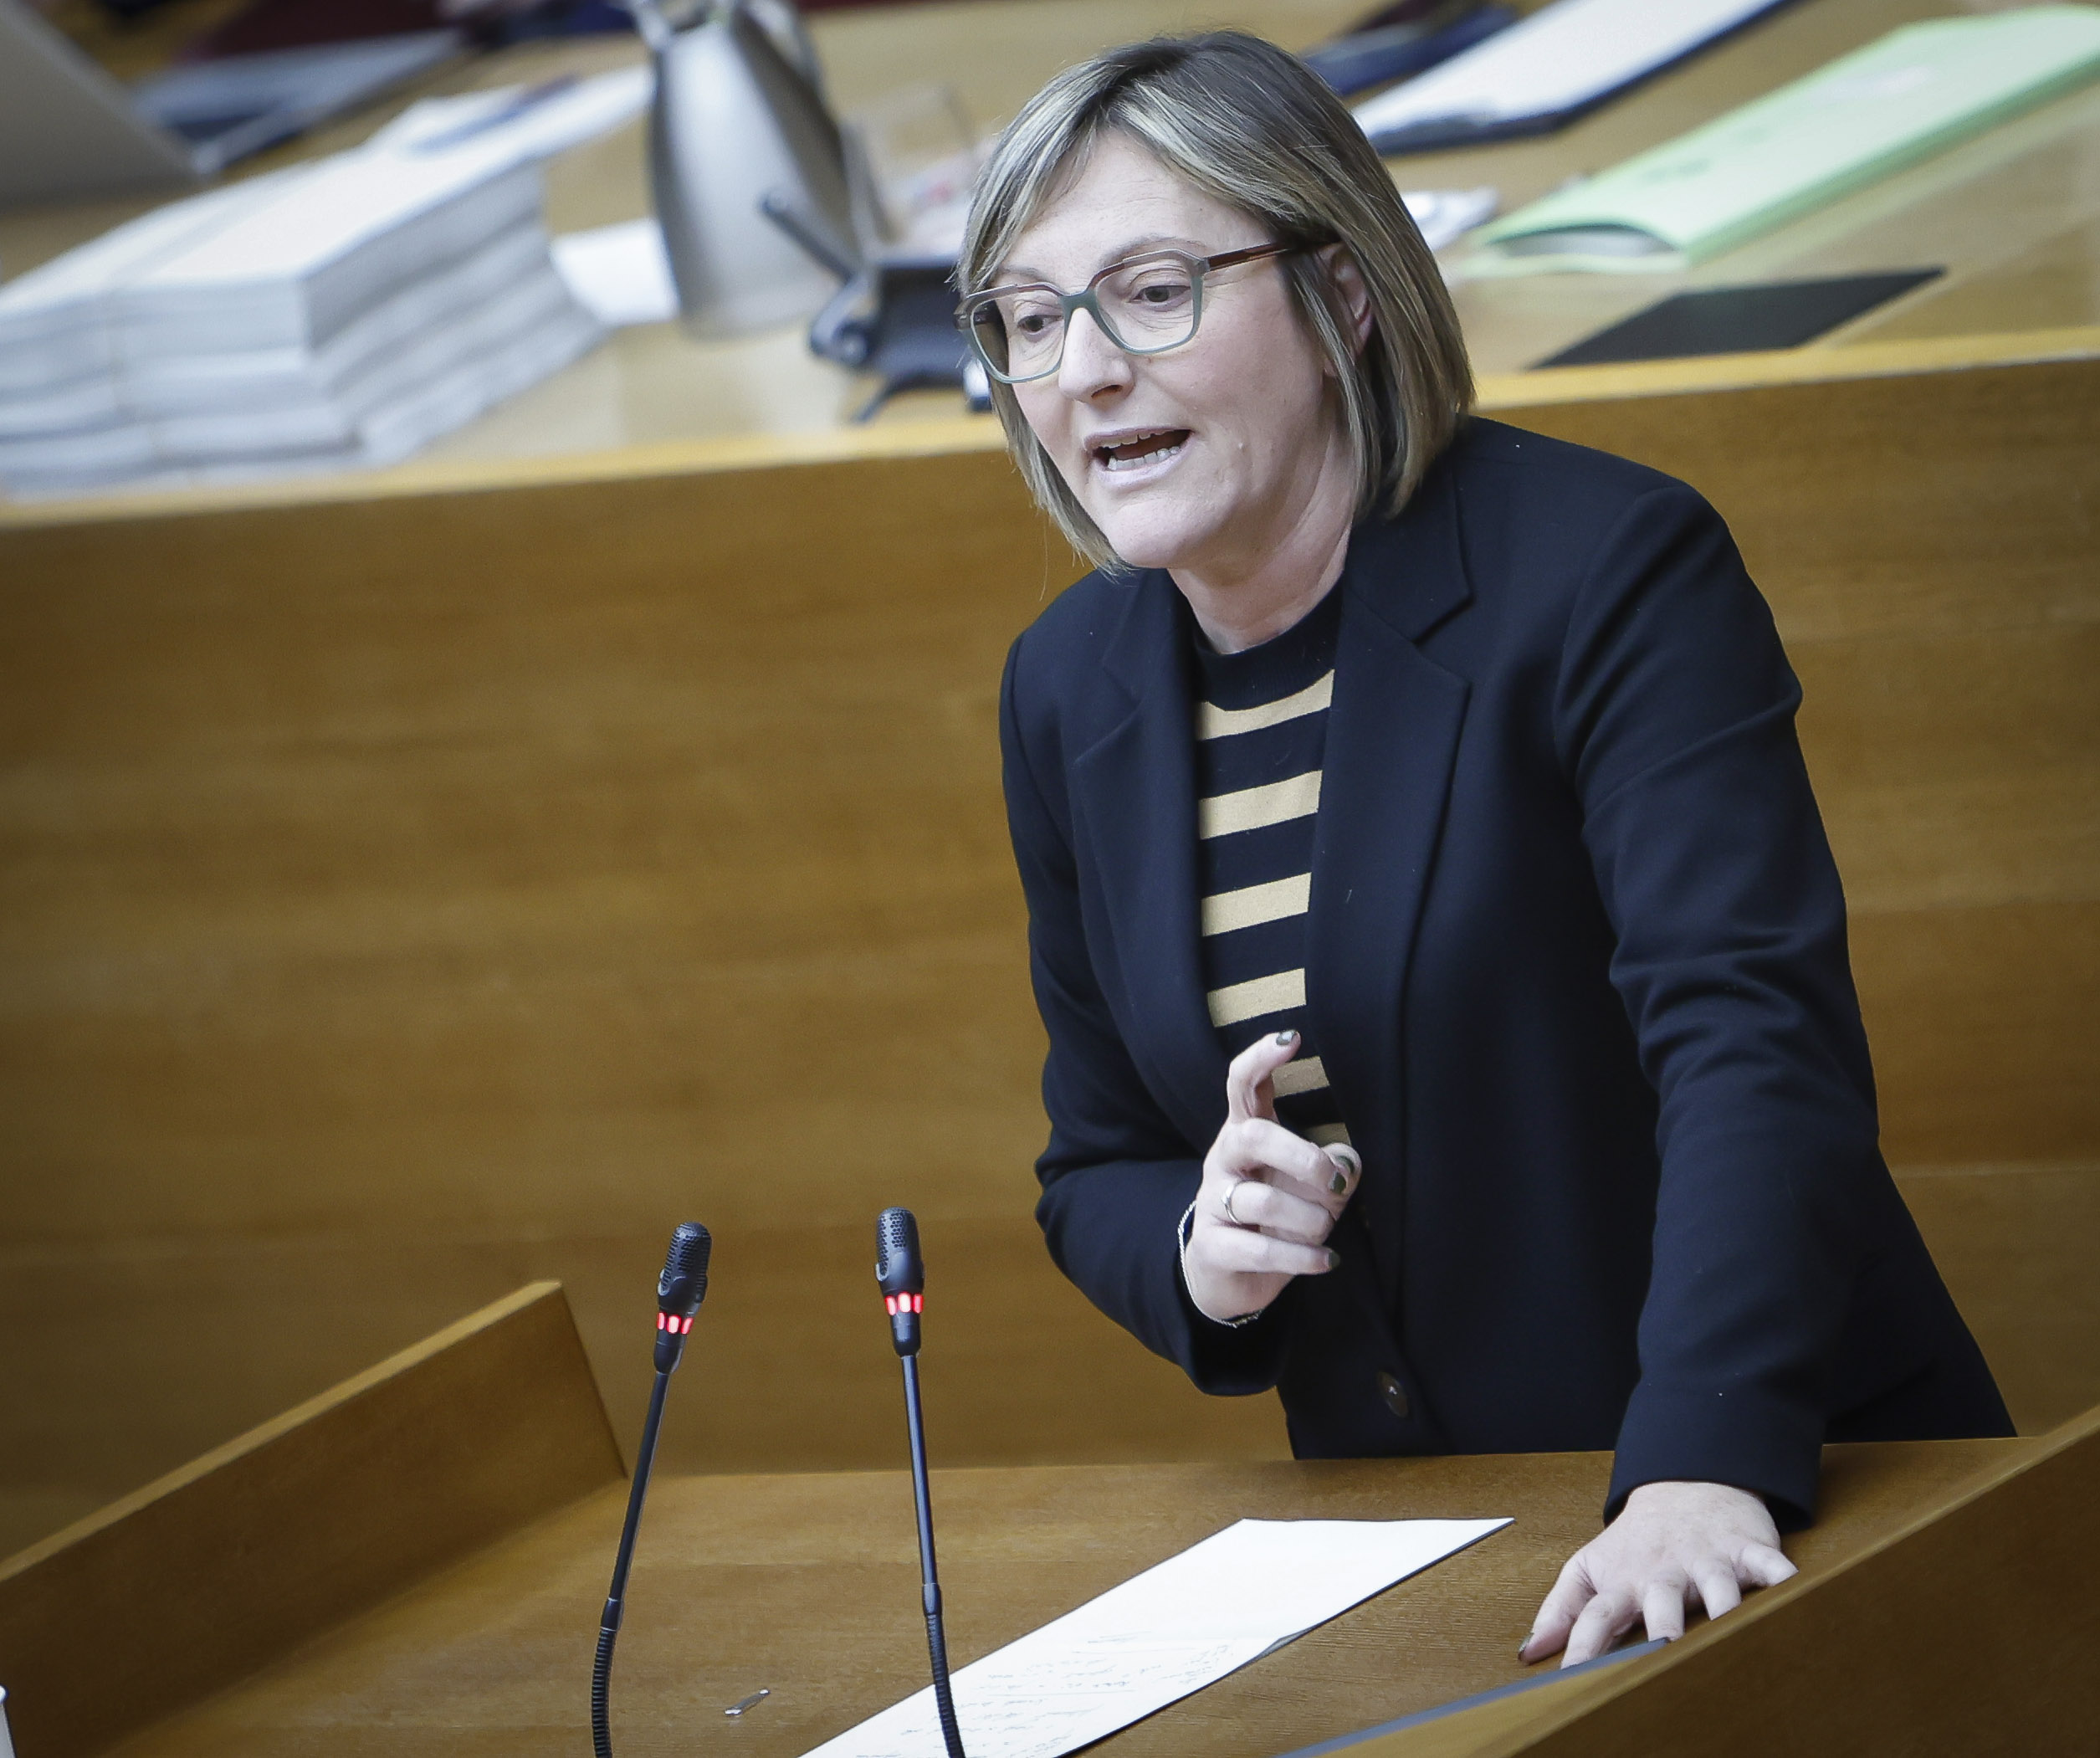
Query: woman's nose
[[1092, 363]]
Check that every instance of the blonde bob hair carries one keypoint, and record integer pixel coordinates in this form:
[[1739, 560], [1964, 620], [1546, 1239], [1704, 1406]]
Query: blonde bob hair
[[1254, 127]]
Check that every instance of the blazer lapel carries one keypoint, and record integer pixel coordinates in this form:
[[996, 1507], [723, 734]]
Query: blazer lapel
[[1133, 804], [1392, 739]]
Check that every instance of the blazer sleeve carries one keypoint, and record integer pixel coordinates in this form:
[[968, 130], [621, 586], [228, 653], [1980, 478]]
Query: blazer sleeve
[[1116, 1175], [1674, 715]]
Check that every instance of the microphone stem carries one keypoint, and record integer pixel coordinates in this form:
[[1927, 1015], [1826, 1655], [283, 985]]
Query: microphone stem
[[928, 1578], [637, 1492], [921, 1495], [616, 1598]]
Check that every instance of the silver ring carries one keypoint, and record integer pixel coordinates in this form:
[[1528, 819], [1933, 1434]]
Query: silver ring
[[1231, 1191]]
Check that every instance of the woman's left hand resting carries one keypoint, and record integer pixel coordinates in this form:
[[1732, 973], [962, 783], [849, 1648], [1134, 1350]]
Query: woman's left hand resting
[[1671, 1543]]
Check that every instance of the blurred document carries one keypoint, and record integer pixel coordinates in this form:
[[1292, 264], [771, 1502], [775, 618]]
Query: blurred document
[[1561, 59], [518, 123], [619, 274], [1915, 92], [1444, 216], [1162, 1635]]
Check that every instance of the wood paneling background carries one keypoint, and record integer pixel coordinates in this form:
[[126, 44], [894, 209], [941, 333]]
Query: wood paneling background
[[401, 897]]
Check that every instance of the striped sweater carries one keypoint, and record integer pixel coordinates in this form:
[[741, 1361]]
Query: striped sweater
[[1261, 739]]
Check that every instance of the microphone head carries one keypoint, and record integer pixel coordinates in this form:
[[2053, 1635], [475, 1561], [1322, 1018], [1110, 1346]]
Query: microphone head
[[682, 1285], [897, 1266]]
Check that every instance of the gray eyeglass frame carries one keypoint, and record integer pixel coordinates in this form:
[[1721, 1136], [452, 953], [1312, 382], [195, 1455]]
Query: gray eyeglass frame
[[1085, 300]]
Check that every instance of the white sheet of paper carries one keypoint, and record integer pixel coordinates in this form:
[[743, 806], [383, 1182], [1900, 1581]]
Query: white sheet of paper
[[1562, 55], [619, 274], [1161, 1635]]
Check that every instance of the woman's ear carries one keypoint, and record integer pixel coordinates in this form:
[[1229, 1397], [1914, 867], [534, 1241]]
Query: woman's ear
[[1348, 281]]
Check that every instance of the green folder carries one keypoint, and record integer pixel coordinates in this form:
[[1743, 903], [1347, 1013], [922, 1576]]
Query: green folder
[[1914, 93]]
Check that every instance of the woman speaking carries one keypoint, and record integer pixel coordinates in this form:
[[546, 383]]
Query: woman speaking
[[1443, 964]]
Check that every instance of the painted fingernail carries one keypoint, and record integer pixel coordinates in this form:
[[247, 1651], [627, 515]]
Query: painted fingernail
[[1333, 1258], [1338, 1183], [1284, 1037]]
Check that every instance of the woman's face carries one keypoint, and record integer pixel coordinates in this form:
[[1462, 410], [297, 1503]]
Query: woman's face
[[1201, 458]]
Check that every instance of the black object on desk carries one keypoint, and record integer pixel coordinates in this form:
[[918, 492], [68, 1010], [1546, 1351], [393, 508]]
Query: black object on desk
[[893, 315], [1751, 320], [896, 319]]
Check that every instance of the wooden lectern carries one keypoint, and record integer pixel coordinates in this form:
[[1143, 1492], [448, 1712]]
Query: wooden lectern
[[414, 1562]]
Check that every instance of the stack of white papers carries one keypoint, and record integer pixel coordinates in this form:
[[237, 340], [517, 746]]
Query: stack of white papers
[[1161, 1635], [333, 315], [1546, 69]]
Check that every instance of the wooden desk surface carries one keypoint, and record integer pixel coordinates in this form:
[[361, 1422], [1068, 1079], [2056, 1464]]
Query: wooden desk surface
[[808, 1586], [2014, 215]]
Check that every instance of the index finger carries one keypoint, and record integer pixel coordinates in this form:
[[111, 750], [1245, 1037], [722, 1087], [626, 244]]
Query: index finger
[[1247, 1093]]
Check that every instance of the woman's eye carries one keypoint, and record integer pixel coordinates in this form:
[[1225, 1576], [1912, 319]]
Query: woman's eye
[[1159, 292]]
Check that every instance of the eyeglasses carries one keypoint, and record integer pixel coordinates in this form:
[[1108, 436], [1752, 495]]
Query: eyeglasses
[[1145, 304]]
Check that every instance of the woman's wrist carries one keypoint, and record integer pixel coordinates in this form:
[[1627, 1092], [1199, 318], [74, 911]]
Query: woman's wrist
[[1183, 1229]]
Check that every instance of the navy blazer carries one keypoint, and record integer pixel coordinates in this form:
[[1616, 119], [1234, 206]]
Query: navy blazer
[[1576, 964]]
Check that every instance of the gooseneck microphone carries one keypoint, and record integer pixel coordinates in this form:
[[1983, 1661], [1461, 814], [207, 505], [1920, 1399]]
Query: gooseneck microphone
[[902, 1276], [679, 1291]]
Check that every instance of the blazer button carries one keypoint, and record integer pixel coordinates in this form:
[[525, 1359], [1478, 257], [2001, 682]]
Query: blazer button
[[1395, 1395]]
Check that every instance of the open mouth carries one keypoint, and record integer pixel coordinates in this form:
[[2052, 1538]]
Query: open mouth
[[1134, 451]]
